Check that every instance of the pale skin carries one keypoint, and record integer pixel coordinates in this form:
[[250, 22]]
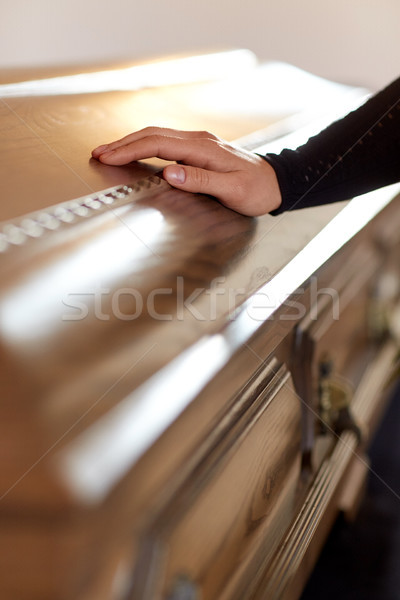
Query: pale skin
[[239, 179]]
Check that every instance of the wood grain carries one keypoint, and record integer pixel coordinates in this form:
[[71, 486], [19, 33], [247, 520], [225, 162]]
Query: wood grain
[[138, 445]]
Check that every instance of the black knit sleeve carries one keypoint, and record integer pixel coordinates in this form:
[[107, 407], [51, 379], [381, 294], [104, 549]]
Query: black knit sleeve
[[357, 154]]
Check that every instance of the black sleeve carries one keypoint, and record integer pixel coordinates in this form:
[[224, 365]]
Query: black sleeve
[[354, 155]]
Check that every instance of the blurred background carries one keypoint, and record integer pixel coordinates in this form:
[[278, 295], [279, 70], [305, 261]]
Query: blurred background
[[353, 41]]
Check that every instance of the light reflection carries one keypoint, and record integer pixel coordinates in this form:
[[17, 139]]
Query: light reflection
[[354, 216], [275, 88], [169, 72], [36, 306], [100, 456]]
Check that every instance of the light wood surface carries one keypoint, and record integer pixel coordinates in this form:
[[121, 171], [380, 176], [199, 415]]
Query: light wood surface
[[177, 448]]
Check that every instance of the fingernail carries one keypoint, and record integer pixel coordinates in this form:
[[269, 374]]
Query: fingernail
[[175, 174]]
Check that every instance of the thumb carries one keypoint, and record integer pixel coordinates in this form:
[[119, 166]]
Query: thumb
[[175, 175], [192, 179]]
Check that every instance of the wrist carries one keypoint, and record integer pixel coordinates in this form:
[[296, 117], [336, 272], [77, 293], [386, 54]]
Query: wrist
[[272, 192]]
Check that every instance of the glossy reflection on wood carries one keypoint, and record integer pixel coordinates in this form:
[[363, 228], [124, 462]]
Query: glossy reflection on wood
[[160, 418]]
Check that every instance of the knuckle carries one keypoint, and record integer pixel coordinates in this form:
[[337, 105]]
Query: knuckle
[[150, 130], [207, 135], [146, 131], [211, 148]]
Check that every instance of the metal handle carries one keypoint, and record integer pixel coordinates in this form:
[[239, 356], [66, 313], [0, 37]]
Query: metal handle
[[335, 395]]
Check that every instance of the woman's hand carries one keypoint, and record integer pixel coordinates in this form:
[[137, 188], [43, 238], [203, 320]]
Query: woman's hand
[[241, 180]]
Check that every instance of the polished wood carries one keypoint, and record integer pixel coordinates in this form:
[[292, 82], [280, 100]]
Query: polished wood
[[160, 416], [48, 138]]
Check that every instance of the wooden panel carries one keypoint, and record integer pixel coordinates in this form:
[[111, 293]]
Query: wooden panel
[[337, 322], [285, 577], [241, 493], [334, 332]]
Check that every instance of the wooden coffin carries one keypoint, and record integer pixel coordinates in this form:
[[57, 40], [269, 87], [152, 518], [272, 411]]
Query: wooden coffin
[[170, 370]]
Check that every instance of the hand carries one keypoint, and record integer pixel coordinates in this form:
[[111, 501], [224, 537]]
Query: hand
[[241, 180]]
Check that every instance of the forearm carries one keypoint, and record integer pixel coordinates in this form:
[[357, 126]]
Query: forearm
[[354, 155]]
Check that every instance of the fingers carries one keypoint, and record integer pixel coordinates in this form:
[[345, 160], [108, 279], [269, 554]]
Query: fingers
[[241, 180], [198, 152], [150, 131]]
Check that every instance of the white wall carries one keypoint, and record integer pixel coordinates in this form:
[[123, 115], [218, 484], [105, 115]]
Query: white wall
[[354, 41]]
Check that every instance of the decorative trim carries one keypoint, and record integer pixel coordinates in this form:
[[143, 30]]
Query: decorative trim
[[20, 231]]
